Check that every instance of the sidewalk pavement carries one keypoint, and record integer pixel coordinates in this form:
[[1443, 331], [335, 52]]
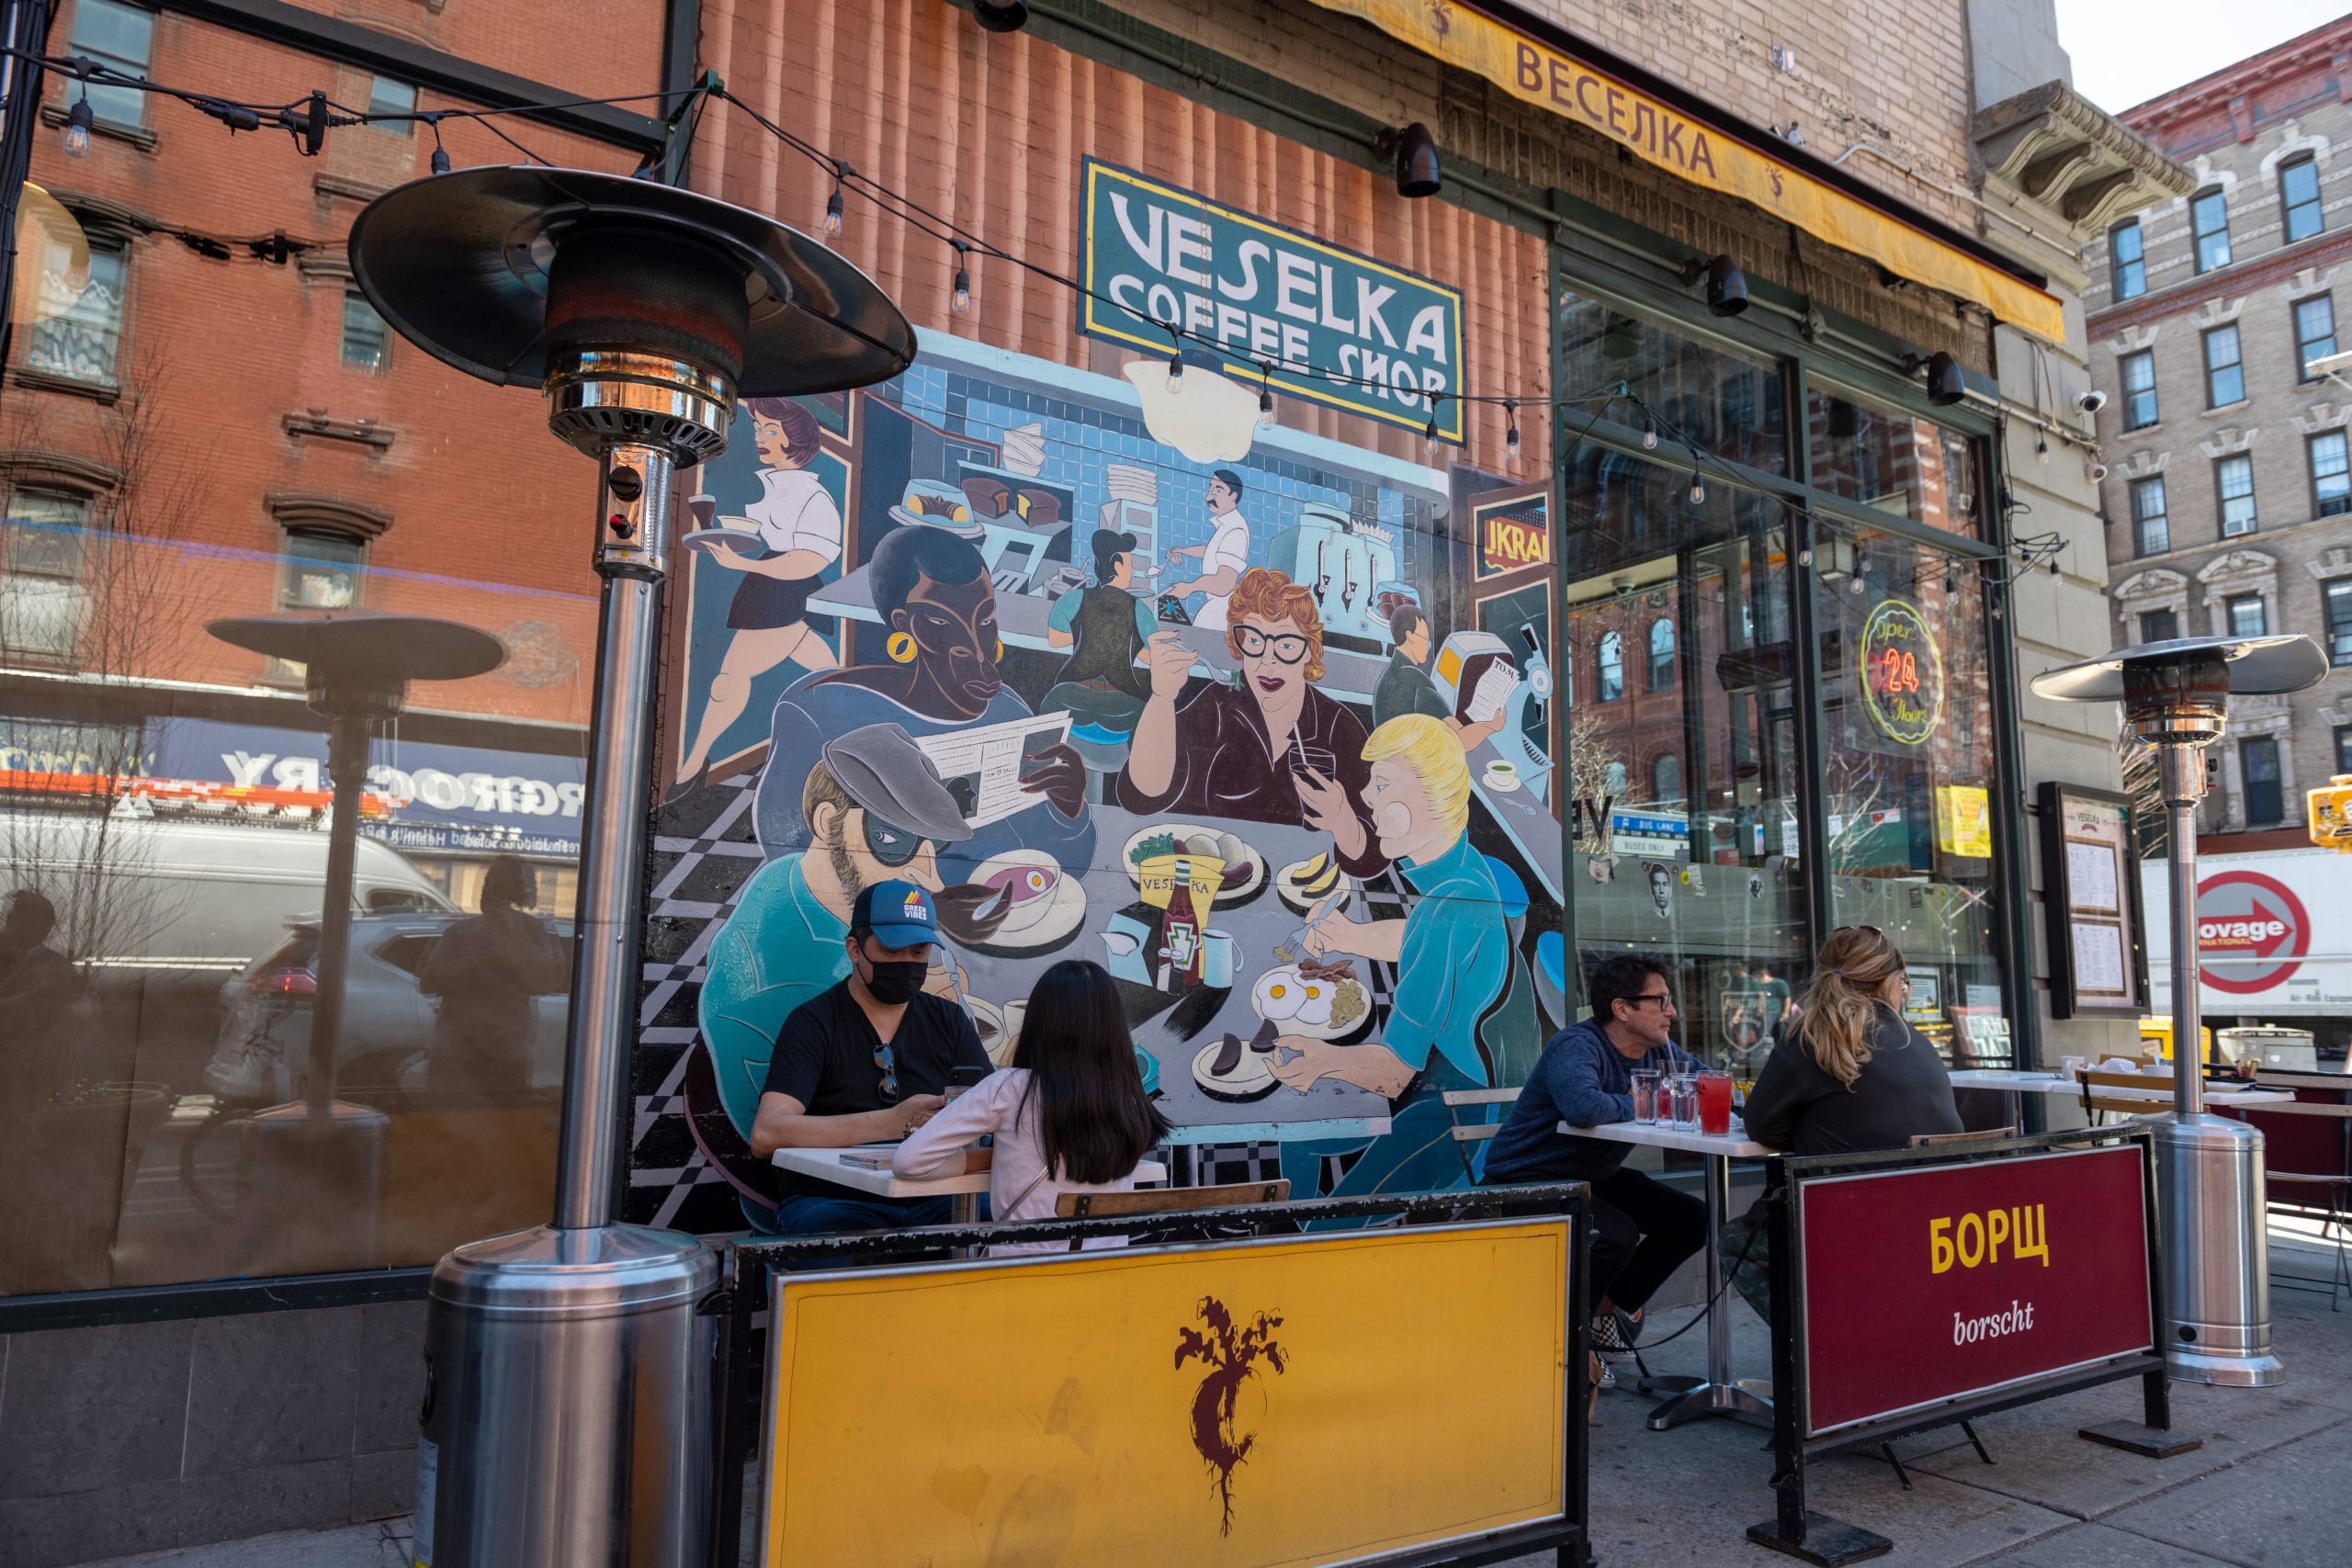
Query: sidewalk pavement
[[2271, 1488]]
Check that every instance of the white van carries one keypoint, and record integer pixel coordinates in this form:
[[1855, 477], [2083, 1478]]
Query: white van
[[178, 902]]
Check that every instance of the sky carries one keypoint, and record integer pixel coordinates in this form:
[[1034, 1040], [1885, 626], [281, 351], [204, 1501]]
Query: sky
[[2127, 52]]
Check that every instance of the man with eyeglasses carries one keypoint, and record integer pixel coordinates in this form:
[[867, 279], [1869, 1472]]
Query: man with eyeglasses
[[1643, 1229]]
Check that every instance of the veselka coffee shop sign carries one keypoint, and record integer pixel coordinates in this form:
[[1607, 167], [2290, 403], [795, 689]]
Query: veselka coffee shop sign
[[1309, 318]]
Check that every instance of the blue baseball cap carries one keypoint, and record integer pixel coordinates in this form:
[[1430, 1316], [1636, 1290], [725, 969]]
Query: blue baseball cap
[[898, 913]]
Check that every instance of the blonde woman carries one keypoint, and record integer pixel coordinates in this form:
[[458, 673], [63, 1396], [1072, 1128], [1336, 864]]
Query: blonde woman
[[1850, 1075]]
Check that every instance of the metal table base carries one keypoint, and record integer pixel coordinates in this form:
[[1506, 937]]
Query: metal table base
[[1717, 1393]]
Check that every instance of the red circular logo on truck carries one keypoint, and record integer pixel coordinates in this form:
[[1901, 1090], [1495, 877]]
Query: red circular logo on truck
[[2252, 931]]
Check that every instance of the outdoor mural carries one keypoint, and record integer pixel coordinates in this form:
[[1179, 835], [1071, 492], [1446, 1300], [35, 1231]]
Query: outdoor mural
[[1118, 667]]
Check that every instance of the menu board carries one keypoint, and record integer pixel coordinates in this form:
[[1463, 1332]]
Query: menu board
[[2097, 954]]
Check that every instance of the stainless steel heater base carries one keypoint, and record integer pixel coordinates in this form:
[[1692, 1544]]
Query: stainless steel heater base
[[2217, 1270]]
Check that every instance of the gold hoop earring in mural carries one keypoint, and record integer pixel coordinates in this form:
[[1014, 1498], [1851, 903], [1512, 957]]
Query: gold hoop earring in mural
[[1000, 650], [901, 647]]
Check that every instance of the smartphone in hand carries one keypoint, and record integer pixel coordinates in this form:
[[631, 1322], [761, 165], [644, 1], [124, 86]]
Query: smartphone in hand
[[961, 1078]]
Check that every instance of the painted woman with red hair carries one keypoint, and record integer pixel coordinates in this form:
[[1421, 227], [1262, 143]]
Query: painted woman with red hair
[[1269, 748]]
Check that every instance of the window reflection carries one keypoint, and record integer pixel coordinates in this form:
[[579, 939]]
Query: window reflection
[[1894, 461], [1726, 404], [1908, 706]]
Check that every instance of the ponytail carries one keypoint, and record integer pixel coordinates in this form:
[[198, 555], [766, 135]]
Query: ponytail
[[1844, 999]]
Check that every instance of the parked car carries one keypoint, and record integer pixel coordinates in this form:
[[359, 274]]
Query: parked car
[[264, 1047]]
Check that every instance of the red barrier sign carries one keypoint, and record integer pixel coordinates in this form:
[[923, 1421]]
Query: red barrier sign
[[1928, 1285]]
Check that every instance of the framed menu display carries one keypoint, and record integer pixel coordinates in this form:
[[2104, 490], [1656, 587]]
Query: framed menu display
[[2099, 953]]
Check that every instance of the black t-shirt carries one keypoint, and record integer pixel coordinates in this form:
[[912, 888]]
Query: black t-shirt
[[824, 1058]]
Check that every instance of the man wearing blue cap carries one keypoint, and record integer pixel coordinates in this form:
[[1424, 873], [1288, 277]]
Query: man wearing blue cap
[[864, 1061]]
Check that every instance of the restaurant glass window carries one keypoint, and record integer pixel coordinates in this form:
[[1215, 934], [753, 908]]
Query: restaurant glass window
[[2266, 796], [2159, 625], [2314, 333], [2336, 597], [2298, 198], [121, 38], [2209, 220], [2151, 521], [1725, 402], [2127, 254], [83, 342], [1895, 462], [1661, 655], [2331, 474], [2245, 614], [1910, 738], [43, 570], [2138, 374], [1685, 827], [2234, 489], [2224, 368]]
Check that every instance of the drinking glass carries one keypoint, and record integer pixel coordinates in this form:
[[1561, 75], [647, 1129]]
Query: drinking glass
[[1646, 1095], [1685, 1095], [1714, 1103]]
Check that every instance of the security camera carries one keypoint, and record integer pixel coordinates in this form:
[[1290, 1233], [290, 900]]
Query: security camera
[[2091, 401], [2097, 472]]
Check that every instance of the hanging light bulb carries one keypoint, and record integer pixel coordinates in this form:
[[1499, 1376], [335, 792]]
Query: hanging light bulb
[[1804, 558], [1511, 437], [834, 212], [959, 299], [1175, 369], [1428, 438], [1697, 491], [1854, 584], [1265, 403], [78, 120], [1649, 432], [2042, 449]]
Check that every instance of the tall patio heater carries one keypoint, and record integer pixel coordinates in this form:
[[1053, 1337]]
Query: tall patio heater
[[310, 1175], [568, 1404], [2176, 697]]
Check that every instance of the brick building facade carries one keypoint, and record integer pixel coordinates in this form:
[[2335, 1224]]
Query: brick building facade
[[2228, 495]]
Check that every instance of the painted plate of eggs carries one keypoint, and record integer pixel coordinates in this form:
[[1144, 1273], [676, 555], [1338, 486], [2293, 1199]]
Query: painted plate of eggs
[[1318, 1008]]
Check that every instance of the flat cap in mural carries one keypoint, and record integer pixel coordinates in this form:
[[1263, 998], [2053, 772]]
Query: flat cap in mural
[[882, 769]]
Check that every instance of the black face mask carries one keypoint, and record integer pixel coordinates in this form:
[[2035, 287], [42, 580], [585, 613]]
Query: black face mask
[[896, 982]]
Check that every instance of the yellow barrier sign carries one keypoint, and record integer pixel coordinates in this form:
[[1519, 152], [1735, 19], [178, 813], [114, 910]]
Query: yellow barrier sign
[[1336, 1397], [1660, 134]]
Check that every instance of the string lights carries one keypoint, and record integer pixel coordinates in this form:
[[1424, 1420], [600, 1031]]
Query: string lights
[[959, 296]]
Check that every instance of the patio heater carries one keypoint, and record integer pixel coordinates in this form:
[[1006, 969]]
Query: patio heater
[[2176, 697], [310, 1175], [567, 1410]]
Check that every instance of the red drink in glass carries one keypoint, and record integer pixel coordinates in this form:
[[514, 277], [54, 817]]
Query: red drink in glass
[[1714, 1103]]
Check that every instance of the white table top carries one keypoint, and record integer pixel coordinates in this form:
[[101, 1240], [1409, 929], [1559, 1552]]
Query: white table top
[[2012, 1081], [1734, 1145], [826, 1165]]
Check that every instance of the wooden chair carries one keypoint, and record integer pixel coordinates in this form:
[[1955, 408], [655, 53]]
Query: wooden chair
[[1465, 1134], [1165, 1201], [1944, 1140], [2156, 1097]]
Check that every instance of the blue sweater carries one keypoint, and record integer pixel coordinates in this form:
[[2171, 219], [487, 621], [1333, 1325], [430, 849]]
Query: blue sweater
[[1585, 1081]]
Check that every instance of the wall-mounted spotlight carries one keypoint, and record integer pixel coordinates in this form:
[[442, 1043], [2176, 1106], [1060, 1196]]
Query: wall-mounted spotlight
[[1946, 384], [1727, 285], [1001, 16], [1415, 150]]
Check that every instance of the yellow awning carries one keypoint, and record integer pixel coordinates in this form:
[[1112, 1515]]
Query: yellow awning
[[1537, 74]]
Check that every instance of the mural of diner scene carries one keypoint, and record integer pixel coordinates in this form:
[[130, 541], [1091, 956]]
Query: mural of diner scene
[[1115, 669]]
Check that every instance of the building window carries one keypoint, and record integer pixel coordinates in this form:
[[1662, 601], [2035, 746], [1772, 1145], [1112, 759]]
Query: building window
[[2266, 800], [1666, 778], [42, 588], [2139, 389], [2151, 526], [84, 343], [1661, 656], [2344, 748], [2208, 219], [386, 95], [2224, 368], [2128, 252], [317, 571], [1612, 666], [2233, 479], [365, 340], [2314, 333], [2244, 615], [2299, 198], [2331, 475], [2337, 597], [2159, 625], [123, 38]]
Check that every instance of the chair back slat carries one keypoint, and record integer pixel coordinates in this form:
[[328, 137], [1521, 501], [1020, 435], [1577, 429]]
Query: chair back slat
[[1167, 1200], [1940, 1140]]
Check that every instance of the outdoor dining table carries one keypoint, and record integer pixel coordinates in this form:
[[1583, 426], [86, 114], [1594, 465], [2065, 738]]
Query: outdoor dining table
[[1717, 1393], [827, 1164], [2013, 1082]]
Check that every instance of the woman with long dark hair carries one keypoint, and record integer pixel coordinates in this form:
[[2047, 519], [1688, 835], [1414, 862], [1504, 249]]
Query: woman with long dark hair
[[1070, 1115]]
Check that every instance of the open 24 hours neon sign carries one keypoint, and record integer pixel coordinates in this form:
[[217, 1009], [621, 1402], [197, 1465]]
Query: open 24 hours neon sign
[[1903, 672]]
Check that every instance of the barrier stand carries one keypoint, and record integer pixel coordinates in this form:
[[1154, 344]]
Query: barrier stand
[[1870, 1252], [1240, 1408]]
